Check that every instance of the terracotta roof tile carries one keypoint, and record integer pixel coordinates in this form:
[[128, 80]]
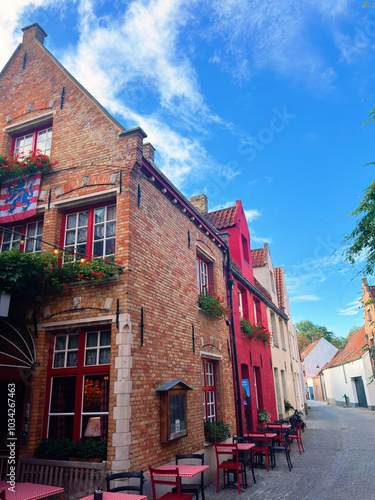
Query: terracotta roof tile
[[261, 288], [354, 349], [258, 257], [222, 218], [279, 279]]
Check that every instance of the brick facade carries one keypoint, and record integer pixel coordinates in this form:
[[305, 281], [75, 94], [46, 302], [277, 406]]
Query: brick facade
[[158, 235]]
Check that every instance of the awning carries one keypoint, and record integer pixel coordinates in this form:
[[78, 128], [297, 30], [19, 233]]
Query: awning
[[17, 348]]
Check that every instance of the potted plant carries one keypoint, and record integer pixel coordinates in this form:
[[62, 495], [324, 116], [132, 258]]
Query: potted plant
[[213, 304], [55, 449], [20, 165], [287, 405], [256, 332], [263, 416], [85, 450], [217, 431], [90, 450]]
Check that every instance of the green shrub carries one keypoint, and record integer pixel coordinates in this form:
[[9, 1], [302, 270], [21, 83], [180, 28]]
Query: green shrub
[[217, 431]]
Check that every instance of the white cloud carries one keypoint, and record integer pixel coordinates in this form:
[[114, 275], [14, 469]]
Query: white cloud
[[11, 15], [260, 35], [352, 309], [308, 298], [256, 238], [222, 206], [251, 214]]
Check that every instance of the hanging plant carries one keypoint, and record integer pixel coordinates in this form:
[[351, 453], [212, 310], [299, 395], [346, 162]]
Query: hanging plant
[[263, 415], [256, 332], [213, 304], [20, 165], [20, 272]]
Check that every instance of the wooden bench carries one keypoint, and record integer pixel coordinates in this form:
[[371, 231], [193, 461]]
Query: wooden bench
[[78, 479]]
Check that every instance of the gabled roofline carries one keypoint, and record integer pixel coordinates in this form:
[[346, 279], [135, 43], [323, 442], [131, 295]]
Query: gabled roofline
[[163, 183], [253, 289], [10, 59]]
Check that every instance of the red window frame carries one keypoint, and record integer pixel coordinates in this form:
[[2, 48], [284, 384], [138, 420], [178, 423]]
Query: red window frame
[[257, 312], [90, 226], [208, 389], [35, 135], [23, 232], [79, 372], [203, 279]]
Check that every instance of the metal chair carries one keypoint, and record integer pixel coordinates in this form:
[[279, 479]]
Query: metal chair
[[245, 457], [192, 487], [232, 464], [126, 487], [298, 437], [156, 476], [282, 447], [261, 449]]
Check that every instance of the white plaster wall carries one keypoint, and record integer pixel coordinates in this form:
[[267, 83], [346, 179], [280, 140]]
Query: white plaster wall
[[319, 356], [336, 385]]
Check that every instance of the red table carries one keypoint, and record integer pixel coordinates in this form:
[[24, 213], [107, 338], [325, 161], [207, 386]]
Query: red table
[[117, 496], [245, 446], [183, 470], [277, 426], [29, 491], [269, 435]]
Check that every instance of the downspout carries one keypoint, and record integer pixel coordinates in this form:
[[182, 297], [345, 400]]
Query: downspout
[[234, 348]]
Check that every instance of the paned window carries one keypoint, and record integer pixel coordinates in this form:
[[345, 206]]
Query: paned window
[[203, 276], [38, 139], [240, 306], [25, 237], [90, 232], [209, 391], [78, 386]]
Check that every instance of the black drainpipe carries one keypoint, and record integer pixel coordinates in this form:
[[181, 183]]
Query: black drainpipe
[[235, 363]]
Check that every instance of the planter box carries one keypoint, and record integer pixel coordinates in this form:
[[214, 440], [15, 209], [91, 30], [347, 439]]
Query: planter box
[[4, 304]]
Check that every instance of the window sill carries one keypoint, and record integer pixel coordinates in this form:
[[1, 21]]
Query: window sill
[[77, 284], [207, 313]]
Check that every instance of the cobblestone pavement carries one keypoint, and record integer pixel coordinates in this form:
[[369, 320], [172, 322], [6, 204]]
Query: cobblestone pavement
[[338, 463]]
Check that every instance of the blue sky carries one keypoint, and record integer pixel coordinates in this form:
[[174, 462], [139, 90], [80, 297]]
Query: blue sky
[[251, 100]]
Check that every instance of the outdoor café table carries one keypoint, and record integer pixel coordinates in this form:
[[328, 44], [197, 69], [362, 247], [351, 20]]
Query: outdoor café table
[[29, 491], [277, 426], [117, 496], [183, 470]]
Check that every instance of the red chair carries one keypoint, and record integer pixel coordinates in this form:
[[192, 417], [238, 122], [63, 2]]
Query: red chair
[[298, 437], [233, 464], [261, 449], [156, 478]]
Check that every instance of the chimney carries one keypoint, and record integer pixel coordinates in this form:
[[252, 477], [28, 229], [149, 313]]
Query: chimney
[[200, 203], [34, 31], [148, 151]]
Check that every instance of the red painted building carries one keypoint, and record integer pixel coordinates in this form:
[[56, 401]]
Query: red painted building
[[249, 303]]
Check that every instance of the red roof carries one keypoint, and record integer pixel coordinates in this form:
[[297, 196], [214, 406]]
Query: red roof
[[279, 278], [258, 257], [261, 288], [222, 218], [354, 349]]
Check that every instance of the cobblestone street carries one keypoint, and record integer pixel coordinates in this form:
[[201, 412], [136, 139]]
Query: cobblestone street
[[338, 463]]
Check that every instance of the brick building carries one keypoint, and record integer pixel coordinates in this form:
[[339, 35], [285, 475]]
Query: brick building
[[134, 354]]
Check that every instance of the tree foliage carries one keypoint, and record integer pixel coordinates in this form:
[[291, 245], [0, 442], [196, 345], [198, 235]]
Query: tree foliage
[[306, 330], [362, 238]]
